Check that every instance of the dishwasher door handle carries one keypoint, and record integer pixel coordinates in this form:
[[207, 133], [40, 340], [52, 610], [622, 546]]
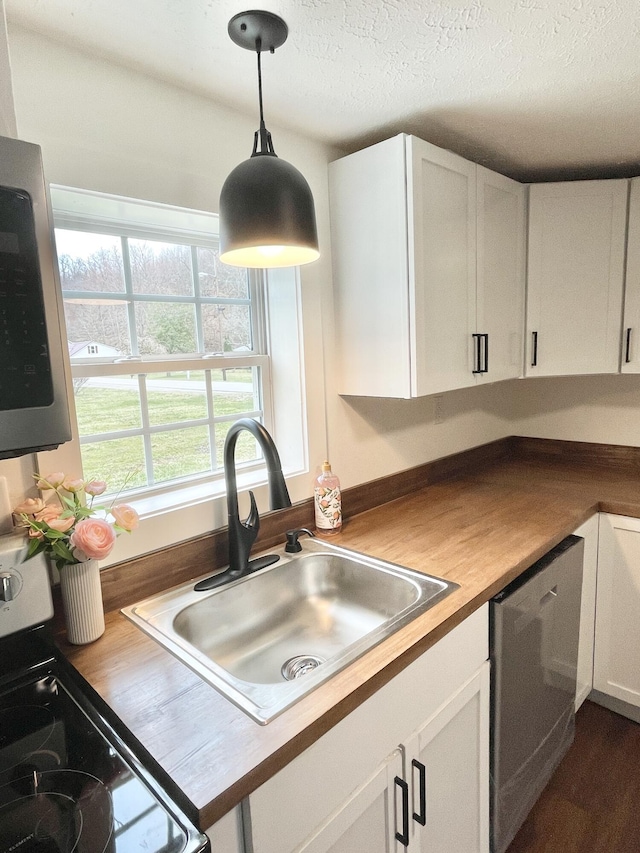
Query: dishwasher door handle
[[533, 609]]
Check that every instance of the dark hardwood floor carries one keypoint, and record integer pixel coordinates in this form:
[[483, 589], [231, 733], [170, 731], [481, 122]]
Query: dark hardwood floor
[[592, 803]]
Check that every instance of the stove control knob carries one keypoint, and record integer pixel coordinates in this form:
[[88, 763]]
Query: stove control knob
[[7, 592]]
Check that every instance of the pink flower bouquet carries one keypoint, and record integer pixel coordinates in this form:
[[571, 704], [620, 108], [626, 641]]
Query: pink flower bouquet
[[69, 528]]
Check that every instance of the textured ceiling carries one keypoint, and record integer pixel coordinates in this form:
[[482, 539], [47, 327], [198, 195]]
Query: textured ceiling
[[534, 88]]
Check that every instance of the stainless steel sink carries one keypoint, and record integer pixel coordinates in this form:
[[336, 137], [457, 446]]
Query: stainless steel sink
[[270, 638]]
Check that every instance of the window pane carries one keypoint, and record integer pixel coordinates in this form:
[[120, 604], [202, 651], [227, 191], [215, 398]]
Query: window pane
[[161, 268], [107, 404], [175, 397], [179, 453], [226, 328], [89, 261], [115, 461], [234, 391], [97, 328], [218, 279], [165, 328]]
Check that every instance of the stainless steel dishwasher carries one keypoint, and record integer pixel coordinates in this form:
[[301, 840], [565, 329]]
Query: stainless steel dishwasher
[[534, 652]]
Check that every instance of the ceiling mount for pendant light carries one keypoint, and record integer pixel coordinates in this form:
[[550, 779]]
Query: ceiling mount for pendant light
[[267, 216]]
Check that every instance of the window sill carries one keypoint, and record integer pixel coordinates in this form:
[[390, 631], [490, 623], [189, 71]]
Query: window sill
[[192, 495]]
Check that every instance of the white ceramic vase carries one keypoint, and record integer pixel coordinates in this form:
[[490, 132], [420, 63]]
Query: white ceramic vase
[[82, 602]]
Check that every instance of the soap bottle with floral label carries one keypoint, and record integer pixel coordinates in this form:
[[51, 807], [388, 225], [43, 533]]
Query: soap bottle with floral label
[[327, 501]]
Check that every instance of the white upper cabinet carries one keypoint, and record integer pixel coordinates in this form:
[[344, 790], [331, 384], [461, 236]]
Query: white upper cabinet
[[501, 226], [442, 267], [631, 324], [371, 274], [428, 270], [575, 277]]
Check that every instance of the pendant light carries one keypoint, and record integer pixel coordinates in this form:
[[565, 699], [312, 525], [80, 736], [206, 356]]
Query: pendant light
[[267, 216]]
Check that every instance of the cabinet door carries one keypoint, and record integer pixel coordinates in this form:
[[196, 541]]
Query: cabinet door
[[616, 669], [448, 761], [442, 267], [367, 820], [371, 286], [226, 835], [631, 325], [500, 275], [575, 277]]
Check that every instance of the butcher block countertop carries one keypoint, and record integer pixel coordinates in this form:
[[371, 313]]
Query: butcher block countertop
[[479, 528]]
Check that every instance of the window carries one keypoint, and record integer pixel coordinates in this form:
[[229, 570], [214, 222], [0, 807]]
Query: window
[[167, 345]]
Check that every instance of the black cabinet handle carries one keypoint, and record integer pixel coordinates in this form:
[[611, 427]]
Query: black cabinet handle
[[403, 837], [627, 348], [476, 355], [534, 349], [481, 344], [421, 816]]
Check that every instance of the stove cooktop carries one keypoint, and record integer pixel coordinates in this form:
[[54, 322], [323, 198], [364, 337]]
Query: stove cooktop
[[64, 788]]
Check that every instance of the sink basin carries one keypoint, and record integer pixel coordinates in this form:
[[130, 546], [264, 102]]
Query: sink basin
[[270, 638]]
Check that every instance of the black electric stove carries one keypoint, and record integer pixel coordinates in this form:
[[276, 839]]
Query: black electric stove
[[71, 778]]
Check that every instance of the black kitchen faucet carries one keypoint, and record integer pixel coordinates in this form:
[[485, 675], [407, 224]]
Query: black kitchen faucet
[[242, 534]]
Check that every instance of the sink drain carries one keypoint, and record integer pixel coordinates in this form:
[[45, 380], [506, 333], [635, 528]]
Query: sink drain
[[300, 665]]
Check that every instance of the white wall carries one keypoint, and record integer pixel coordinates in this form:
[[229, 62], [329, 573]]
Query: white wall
[[370, 438], [582, 408], [7, 111]]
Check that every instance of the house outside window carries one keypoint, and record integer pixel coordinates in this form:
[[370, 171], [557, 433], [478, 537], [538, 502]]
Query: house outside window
[[167, 344]]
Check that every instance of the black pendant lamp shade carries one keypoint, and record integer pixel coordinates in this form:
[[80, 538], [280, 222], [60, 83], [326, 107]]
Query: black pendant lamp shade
[[267, 215]]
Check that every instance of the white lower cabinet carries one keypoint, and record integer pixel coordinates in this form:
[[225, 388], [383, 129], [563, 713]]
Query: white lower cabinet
[[584, 679], [616, 670], [226, 835], [447, 767], [407, 770], [367, 820], [429, 794]]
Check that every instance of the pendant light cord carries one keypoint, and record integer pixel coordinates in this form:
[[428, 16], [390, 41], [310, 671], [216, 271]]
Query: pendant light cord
[[266, 145], [259, 52]]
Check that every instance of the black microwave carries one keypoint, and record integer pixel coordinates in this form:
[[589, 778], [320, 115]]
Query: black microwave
[[34, 412]]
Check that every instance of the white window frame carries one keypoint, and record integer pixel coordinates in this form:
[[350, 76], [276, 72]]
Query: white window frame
[[99, 213]]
